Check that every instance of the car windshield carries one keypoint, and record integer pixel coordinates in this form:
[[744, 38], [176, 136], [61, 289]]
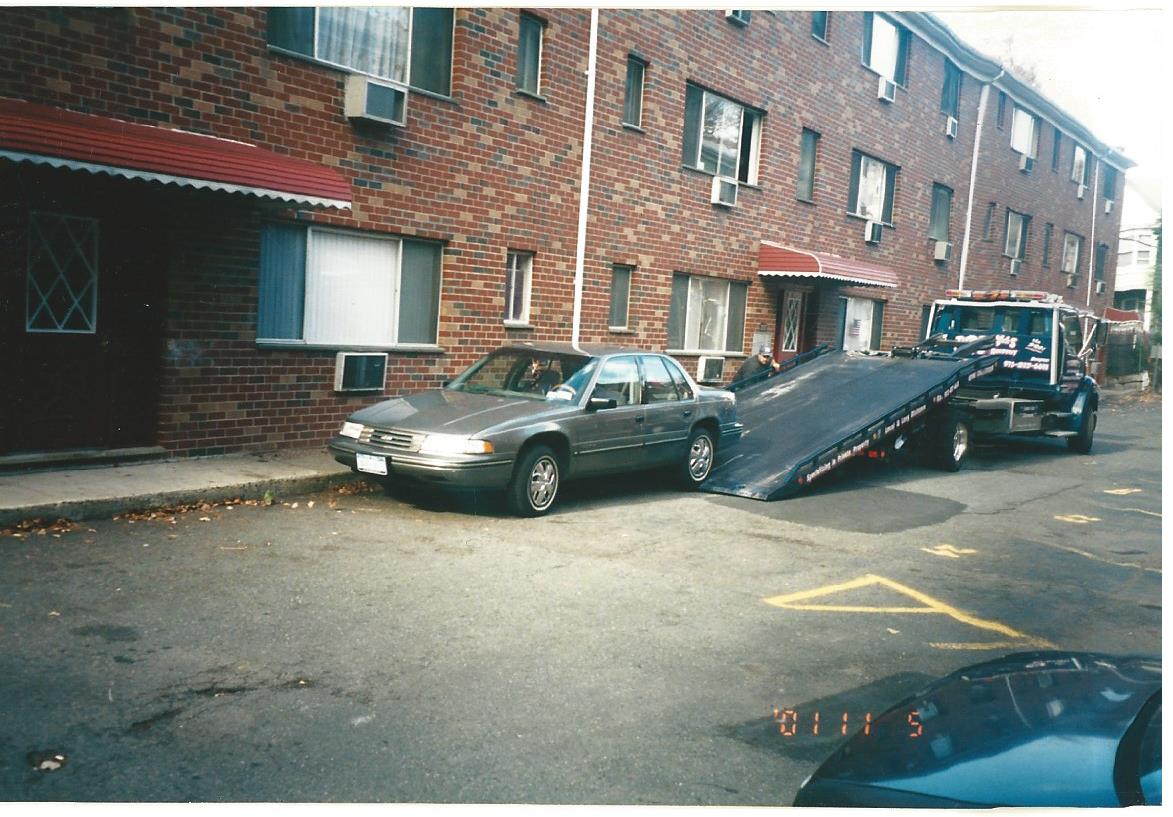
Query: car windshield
[[515, 372]]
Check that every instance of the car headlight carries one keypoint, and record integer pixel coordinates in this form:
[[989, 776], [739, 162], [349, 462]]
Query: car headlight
[[454, 444], [350, 429]]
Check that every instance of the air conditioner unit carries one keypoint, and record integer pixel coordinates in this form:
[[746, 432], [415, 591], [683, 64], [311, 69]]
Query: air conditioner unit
[[1071, 279], [374, 101], [1080, 190], [872, 231], [709, 369], [951, 127], [739, 16], [1100, 287], [1108, 204], [724, 191], [886, 89], [1026, 163], [1015, 266], [942, 250], [360, 371]]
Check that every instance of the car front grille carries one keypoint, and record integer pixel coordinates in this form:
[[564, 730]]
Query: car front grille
[[395, 438]]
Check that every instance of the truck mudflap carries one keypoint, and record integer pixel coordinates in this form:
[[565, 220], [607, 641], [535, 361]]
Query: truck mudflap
[[801, 425]]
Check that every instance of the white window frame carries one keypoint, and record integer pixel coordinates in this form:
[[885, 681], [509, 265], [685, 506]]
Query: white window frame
[[791, 321], [887, 169], [639, 93], [316, 57], [878, 21], [754, 145], [690, 348], [537, 91], [1023, 222], [518, 262], [1079, 159], [1077, 241], [1017, 123]]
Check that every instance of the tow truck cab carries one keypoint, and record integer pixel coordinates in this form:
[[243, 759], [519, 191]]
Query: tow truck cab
[[1042, 386]]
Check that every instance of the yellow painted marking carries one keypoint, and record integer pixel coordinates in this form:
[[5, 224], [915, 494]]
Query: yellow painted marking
[[992, 645], [1121, 491], [1138, 510], [1078, 519], [794, 601], [949, 551], [1096, 558]]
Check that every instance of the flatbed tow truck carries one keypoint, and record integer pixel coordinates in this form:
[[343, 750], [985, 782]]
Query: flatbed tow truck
[[992, 363]]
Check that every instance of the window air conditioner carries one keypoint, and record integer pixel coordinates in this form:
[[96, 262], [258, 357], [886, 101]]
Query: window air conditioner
[[951, 127], [1026, 163], [1080, 190], [724, 191], [942, 250], [739, 16], [1015, 266], [354, 371], [1071, 279], [1100, 287], [872, 231], [709, 369], [1108, 204], [375, 101], [886, 89]]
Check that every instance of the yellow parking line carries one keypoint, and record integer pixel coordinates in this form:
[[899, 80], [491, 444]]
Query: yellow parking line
[[1138, 510], [992, 645]]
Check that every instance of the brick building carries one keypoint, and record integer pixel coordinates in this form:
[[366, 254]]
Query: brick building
[[199, 208]]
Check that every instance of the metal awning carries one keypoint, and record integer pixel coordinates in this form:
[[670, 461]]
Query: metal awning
[[42, 135], [786, 262]]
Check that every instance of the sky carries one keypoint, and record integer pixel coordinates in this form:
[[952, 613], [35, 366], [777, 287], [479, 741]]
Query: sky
[[1107, 68]]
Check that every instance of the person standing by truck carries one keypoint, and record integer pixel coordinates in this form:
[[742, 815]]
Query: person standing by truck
[[757, 364]]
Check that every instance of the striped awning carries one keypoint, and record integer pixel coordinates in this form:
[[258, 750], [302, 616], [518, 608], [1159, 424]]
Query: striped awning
[[42, 135], [786, 262]]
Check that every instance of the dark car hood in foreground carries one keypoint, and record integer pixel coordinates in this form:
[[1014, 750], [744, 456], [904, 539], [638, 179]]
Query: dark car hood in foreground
[[447, 411], [1032, 729]]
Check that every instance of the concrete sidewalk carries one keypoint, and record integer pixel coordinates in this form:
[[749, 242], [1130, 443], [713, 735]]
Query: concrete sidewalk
[[95, 491]]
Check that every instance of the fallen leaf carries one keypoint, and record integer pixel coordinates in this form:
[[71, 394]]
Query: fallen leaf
[[310, 504], [205, 519], [53, 613], [294, 505]]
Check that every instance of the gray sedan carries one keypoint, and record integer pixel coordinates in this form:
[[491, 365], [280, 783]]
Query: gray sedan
[[528, 416]]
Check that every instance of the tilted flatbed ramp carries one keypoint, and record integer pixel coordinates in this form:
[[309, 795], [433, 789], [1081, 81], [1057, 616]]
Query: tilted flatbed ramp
[[800, 424]]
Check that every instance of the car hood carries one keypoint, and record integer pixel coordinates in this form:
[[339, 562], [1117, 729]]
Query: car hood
[[1032, 729], [447, 411]]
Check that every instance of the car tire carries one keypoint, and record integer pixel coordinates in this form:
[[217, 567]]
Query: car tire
[[950, 441], [1082, 441], [698, 459], [536, 479]]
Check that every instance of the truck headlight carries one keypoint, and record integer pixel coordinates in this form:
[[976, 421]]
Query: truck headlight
[[350, 429], [454, 444]]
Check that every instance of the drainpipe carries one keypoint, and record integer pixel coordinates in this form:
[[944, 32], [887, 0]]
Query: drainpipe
[[1091, 256], [977, 145], [584, 190]]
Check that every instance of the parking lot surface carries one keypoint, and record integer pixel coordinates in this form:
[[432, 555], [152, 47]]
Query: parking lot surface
[[629, 648]]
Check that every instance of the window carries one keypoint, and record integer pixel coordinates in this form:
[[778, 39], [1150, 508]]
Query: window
[[371, 40], [633, 92], [820, 25], [806, 165], [1024, 132], [939, 216], [1101, 261], [332, 288], [988, 227], [951, 91], [1143, 255], [518, 272], [1079, 165], [885, 47], [659, 385], [1017, 230], [62, 274], [620, 295], [873, 183], [1001, 121], [619, 380], [529, 54], [1056, 148], [1109, 175], [1072, 244], [861, 324], [721, 136], [739, 16], [1048, 231], [706, 314]]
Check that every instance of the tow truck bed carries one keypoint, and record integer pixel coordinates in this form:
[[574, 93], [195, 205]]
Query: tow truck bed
[[800, 424]]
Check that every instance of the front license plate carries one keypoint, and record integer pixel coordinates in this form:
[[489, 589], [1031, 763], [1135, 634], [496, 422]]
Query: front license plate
[[371, 464]]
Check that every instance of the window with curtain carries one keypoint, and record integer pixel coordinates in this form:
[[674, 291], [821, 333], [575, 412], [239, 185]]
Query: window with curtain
[[873, 184], [327, 287], [939, 216], [721, 136], [1024, 132], [1079, 165], [1017, 227], [1072, 244], [706, 314], [885, 47], [518, 272]]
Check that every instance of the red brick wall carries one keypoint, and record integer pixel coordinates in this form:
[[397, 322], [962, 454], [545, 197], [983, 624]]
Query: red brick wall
[[491, 170]]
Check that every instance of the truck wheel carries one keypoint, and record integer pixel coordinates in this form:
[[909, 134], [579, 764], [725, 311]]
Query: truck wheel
[[950, 443], [698, 462], [535, 482], [1082, 441]]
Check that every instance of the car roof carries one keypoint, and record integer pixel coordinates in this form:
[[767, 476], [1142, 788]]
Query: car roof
[[586, 349]]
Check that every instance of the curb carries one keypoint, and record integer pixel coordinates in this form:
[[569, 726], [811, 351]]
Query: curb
[[78, 510]]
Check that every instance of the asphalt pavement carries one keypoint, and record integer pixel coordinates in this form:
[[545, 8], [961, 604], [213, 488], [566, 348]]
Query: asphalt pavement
[[630, 648]]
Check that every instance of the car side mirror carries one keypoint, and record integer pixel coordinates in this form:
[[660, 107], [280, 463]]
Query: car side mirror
[[599, 402]]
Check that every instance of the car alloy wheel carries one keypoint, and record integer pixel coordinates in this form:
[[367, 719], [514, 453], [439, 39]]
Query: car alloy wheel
[[543, 483], [700, 458]]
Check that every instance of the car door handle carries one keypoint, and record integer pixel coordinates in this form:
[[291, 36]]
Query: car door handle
[[639, 420], [688, 412]]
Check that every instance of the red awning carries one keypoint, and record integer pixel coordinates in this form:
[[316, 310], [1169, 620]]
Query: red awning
[[774, 259], [1121, 315], [42, 135]]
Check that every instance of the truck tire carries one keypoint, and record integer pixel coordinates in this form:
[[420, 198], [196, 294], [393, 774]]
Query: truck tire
[[949, 442], [535, 482], [698, 460], [1082, 441]]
